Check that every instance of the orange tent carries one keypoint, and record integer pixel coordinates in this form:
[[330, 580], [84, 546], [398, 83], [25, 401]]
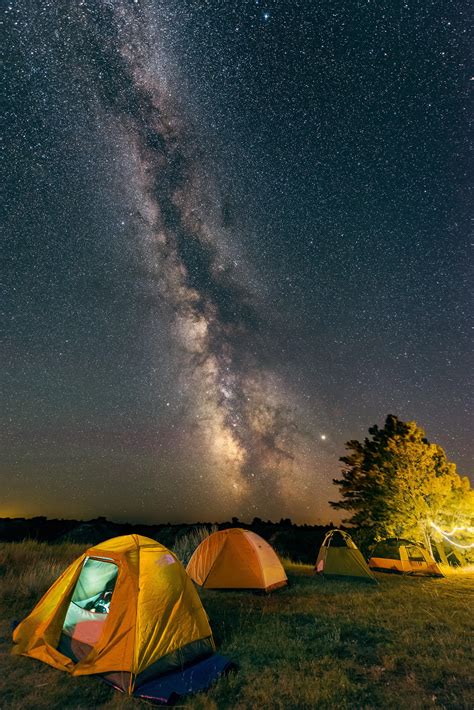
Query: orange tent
[[126, 608], [236, 559], [403, 557]]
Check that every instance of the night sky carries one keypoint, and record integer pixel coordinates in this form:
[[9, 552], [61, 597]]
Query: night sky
[[237, 236]]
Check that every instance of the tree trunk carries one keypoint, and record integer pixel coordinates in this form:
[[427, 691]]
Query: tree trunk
[[427, 537]]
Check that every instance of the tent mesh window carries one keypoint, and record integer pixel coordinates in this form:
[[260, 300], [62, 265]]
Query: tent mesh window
[[387, 549], [337, 540], [414, 554]]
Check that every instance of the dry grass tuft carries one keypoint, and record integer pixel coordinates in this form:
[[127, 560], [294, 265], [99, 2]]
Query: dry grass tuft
[[185, 545]]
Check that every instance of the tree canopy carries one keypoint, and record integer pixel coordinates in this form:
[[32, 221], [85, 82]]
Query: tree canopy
[[396, 483]]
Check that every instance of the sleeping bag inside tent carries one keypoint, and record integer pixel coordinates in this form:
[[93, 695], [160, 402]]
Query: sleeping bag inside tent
[[403, 557], [126, 609], [339, 557], [236, 559]]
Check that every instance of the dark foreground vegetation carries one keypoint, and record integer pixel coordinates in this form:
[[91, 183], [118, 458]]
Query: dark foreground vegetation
[[316, 644]]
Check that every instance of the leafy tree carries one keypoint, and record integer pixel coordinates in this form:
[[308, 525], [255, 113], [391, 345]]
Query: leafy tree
[[397, 483]]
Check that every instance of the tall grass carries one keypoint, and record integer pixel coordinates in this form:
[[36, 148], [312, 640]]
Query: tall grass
[[185, 545], [29, 568]]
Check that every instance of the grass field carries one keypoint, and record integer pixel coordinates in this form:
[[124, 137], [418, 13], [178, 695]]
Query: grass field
[[316, 644]]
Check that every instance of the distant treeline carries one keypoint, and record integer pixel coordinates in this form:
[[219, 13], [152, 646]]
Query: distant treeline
[[298, 542]]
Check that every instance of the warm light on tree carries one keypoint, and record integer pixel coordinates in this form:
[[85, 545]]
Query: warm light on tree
[[397, 483]]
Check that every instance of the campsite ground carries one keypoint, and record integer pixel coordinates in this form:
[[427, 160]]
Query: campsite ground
[[317, 643]]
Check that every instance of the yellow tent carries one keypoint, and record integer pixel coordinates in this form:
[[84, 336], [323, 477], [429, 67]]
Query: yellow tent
[[126, 608], [403, 557], [236, 559]]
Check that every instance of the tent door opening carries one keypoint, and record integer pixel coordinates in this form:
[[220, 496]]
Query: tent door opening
[[88, 608]]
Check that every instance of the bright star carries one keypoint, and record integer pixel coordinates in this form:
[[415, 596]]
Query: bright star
[[323, 437]]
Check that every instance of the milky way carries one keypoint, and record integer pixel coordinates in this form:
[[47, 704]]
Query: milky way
[[238, 422], [236, 239]]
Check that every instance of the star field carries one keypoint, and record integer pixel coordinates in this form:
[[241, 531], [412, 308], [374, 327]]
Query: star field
[[237, 236]]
